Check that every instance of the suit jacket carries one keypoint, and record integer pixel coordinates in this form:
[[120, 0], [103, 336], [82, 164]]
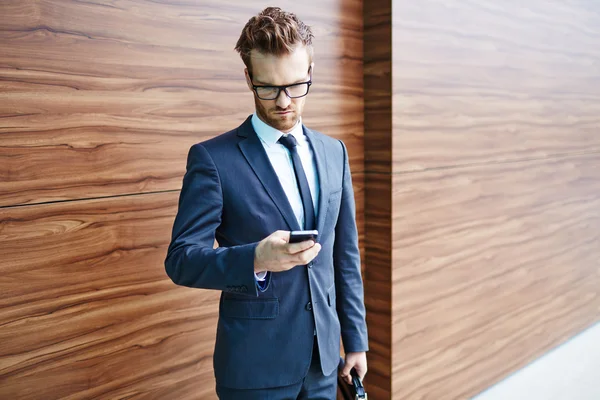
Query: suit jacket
[[230, 191]]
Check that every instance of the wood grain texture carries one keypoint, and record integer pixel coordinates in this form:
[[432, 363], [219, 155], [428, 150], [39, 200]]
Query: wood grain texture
[[378, 283], [378, 85], [378, 194], [482, 81], [104, 99], [493, 266], [87, 310], [107, 97], [495, 191]]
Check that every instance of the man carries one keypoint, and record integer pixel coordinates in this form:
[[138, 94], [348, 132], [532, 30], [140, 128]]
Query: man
[[283, 305]]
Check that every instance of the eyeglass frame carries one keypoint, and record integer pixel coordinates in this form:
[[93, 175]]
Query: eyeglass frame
[[284, 87]]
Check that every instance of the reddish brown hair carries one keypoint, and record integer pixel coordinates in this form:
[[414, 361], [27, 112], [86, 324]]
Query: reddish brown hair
[[274, 32]]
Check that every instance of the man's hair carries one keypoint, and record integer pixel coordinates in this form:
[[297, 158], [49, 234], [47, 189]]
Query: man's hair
[[275, 32]]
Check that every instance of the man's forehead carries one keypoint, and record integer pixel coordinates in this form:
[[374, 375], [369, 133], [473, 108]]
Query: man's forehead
[[279, 70]]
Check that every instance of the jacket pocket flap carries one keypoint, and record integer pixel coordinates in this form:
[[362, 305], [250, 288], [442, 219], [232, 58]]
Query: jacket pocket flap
[[250, 309]]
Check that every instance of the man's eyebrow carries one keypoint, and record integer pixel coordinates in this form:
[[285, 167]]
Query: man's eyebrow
[[270, 84]]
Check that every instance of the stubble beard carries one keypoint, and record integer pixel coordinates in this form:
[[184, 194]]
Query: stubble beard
[[281, 124]]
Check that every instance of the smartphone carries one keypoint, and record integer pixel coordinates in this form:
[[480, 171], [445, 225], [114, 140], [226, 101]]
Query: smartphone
[[301, 236]]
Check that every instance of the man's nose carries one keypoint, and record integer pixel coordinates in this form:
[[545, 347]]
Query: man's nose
[[283, 100]]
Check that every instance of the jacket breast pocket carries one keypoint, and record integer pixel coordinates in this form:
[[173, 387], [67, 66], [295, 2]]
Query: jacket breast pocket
[[250, 308]]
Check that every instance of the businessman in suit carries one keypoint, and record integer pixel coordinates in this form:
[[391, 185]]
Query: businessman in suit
[[283, 306]]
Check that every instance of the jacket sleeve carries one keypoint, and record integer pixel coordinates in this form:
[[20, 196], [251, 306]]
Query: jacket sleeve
[[191, 259], [346, 262]]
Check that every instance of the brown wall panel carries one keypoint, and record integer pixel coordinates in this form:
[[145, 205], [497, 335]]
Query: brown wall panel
[[378, 284], [101, 99], [104, 99], [494, 188], [87, 310], [493, 266], [478, 82], [378, 188], [378, 85]]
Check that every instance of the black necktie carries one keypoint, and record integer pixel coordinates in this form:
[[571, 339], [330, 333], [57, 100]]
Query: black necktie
[[289, 141]]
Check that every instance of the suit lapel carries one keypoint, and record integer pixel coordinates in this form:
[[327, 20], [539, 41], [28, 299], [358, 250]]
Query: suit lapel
[[322, 168], [256, 156]]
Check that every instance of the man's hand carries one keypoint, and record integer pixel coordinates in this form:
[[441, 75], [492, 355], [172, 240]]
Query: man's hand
[[275, 253], [357, 361]]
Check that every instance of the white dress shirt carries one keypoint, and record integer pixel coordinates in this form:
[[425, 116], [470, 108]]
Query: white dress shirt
[[281, 160]]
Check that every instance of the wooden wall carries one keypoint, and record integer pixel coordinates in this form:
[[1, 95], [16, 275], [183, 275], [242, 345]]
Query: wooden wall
[[495, 187], [99, 104], [378, 193], [480, 170]]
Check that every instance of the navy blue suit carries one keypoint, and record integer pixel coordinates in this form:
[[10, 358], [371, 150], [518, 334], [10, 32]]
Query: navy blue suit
[[231, 192]]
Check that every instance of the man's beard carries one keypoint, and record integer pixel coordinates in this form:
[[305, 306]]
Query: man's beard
[[279, 123]]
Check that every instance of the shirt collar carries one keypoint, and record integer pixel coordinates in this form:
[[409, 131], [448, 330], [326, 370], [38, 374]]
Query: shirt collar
[[270, 135]]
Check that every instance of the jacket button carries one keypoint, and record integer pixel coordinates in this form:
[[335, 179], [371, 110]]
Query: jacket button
[[310, 264], [309, 306]]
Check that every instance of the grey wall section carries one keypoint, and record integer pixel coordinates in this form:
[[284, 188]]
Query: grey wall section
[[569, 371]]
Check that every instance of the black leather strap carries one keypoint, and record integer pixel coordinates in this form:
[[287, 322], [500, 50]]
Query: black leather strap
[[358, 386]]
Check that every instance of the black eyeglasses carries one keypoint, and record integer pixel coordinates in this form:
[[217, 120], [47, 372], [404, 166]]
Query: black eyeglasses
[[293, 91]]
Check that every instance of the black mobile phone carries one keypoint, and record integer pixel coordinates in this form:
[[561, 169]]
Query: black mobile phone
[[301, 236]]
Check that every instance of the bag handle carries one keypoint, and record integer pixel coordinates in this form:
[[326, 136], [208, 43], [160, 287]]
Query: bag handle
[[358, 386]]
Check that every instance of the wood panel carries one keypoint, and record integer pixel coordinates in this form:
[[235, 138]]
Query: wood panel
[[495, 222], [378, 85], [493, 266], [378, 193], [482, 81], [87, 310], [105, 98], [378, 284]]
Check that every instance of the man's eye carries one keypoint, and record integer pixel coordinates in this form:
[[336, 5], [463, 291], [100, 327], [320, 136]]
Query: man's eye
[[267, 89]]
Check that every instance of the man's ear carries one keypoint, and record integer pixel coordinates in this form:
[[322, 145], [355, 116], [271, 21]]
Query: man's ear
[[248, 80], [312, 69]]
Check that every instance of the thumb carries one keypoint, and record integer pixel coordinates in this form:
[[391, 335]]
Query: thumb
[[282, 235]]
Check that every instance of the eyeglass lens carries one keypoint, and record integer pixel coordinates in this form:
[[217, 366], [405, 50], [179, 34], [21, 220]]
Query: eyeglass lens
[[271, 93]]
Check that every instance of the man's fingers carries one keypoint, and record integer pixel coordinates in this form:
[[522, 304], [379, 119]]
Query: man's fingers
[[295, 248], [315, 250], [361, 372], [346, 372], [304, 257]]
